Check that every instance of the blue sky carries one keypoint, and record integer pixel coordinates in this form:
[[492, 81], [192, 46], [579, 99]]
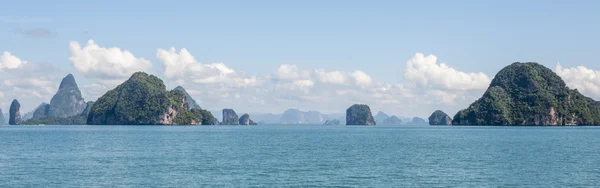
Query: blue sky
[[256, 37]]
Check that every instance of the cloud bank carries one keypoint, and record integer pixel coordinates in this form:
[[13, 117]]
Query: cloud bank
[[9, 61], [30, 83], [215, 85], [105, 63], [426, 72], [586, 80]]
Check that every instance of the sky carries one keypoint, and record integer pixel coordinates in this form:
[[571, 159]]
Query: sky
[[402, 57]]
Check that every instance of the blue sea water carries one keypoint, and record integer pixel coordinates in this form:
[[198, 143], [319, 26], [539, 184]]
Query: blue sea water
[[298, 156]]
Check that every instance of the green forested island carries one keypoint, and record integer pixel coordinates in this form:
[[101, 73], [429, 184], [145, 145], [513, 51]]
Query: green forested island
[[144, 100], [529, 94], [440, 118]]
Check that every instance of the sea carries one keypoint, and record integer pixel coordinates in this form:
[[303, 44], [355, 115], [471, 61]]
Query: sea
[[299, 156]]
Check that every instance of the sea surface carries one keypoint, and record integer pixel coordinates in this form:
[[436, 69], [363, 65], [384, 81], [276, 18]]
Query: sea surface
[[298, 156]]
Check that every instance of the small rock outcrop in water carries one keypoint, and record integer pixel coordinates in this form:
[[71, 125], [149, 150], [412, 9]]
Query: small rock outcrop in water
[[359, 114], [2, 119], [67, 101], [191, 103], [392, 121], [245, 120], [230, 117], [332, 122], [14, 113], [529, 94], [440, 118], [144, 100]]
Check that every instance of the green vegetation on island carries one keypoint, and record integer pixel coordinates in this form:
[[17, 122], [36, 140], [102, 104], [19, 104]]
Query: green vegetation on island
[[359, 114], [529, 94], [51, 120], [440, 118], [144, 100]]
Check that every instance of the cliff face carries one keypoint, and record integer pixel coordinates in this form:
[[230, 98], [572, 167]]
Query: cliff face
[[41, 111], [67, 101], [245, 120], [439, 118], [191, 103], [40, 117], [14, 113], [2, 119], [529, 94], [359, 114], [230, 117]]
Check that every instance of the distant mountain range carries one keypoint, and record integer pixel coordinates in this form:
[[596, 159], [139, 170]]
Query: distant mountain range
[[291, 116], [295, 117], [381, 118]]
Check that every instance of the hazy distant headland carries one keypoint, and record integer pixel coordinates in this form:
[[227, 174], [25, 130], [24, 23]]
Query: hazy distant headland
[[520, 94]]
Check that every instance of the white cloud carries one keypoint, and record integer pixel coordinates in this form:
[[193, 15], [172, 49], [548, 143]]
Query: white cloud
[[182, 63], [30, 83], [361, 78], [426, 72], [183, 67], [333, 77], [105, 63], [442, 97], [586, 80], [92, 92], [9, 61], [293, 87], [303, 83], [287, 71]]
